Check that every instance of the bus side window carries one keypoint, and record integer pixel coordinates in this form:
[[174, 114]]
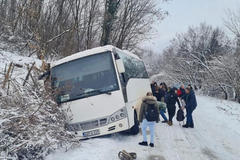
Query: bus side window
[[123, 85]]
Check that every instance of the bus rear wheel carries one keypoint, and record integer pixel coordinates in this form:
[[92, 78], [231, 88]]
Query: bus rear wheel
[[135, 127]]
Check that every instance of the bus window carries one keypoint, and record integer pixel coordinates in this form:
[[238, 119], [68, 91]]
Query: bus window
[[123, 85], [134, 68], [85, 77]]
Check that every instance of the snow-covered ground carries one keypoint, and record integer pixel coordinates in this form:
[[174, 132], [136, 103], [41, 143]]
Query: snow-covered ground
[[216, 136]]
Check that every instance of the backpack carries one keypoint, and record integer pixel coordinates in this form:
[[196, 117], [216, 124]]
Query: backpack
[[152, 113], [167, 98], [180, 115]]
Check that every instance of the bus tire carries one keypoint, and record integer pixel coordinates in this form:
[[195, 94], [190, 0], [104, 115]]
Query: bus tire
[[135, 127]]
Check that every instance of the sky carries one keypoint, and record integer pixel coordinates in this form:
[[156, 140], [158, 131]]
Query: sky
[[185, 13]]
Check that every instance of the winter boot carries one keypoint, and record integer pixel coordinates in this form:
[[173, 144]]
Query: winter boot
[[191, 125], [170, 123], [185, 126], [143, 143], [164, 121], [151, 144]]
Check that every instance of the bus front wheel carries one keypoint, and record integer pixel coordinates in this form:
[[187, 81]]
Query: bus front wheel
[[135, 127]]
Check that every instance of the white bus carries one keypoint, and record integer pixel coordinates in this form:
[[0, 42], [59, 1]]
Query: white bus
[[103, 88]]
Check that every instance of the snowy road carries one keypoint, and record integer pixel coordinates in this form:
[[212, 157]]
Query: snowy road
[[216, 136]]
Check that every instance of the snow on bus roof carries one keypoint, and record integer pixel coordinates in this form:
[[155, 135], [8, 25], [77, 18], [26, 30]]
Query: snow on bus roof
[[92, 52]]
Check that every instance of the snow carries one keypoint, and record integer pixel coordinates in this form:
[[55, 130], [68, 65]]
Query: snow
[[216, 136], [7, 57], [20, 73]]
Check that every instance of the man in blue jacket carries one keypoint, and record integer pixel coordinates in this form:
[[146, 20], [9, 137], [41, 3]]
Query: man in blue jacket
[[191, 104]]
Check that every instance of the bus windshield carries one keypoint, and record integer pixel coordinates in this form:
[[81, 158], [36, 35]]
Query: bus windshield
[[84, 77]]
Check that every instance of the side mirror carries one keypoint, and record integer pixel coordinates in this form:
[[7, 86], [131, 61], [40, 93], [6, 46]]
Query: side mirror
[[120, 66]]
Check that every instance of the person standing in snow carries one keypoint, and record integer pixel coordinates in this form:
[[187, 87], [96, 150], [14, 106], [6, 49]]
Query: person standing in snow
[[172, 99], [181, 91], [165, 88], [146, 102], [156, 93], [191, 104], [189, 86], [161, 93], [152, 86]]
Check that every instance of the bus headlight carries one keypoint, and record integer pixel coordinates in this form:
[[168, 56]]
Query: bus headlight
[[120, 114], [112, 119]]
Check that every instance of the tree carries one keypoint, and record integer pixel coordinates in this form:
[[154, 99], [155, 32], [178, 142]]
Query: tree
[[191, 55], [111, 7], [150, 59], [32, 124], [134, 22], [229, 67], [232, 65], [58, 28], [232, 21]]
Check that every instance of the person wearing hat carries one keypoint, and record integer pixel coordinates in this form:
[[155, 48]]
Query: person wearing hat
[[172, 99], [189, 86]]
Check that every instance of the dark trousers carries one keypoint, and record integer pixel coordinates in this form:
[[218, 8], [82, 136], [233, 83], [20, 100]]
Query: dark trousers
[[189, 116], [171, 112]]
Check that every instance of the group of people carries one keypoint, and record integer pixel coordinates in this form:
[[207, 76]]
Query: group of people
[[164, 98]]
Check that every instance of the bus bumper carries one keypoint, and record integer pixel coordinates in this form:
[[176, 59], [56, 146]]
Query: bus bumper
[[114, 127]]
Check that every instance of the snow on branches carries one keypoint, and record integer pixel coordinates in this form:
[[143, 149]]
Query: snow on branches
[[31, 123], [206, 58]]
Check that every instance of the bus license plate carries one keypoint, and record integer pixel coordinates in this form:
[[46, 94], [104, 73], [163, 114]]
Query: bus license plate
[[91, 133]]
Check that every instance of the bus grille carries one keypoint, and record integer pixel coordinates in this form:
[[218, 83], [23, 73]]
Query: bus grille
[[87, 125], [93, 124]]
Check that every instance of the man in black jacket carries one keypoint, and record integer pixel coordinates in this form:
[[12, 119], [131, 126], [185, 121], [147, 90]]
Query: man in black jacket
[[172, 99], [191, 104]]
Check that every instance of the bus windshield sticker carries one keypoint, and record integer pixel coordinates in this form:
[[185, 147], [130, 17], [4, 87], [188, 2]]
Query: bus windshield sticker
[[65, 97]]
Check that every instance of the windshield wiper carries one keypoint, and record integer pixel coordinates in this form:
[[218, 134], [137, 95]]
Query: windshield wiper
[[96, 90], [108, 93]]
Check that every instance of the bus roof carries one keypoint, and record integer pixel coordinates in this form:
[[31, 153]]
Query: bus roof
[[92, 52]]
